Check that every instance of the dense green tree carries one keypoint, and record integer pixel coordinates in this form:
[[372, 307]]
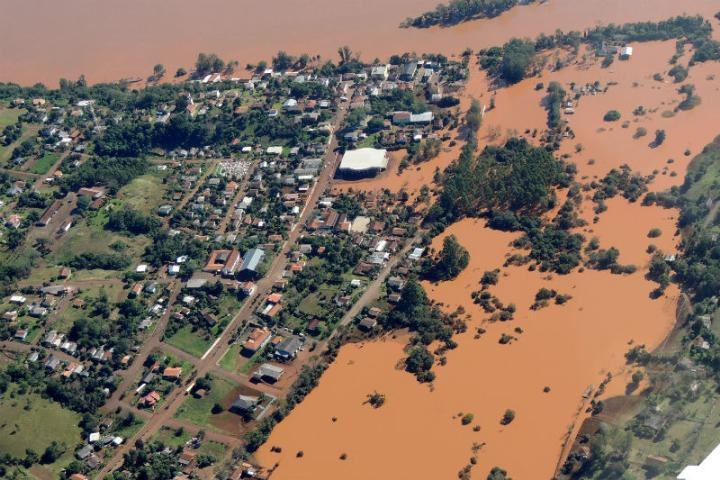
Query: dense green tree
[[452, 260], [283, 61], [518, 55], [419, 360], [457, 11], [130, 221], [208, 63], [498, 473]]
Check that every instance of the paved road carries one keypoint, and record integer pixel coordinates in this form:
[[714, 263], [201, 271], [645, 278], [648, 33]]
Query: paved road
[[208, 363]]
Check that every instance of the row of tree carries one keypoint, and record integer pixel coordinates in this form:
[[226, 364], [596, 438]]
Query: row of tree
[[458, 11]]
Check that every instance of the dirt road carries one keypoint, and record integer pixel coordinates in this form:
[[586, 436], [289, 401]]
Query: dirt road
[[152, 343], [373, 291]]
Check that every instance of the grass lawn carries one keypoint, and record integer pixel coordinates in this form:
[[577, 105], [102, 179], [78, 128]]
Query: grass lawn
[[29, 421], [9, 116], [43, 164], [704, 171], [229, 305], [28, 132], [368, 142], [170, 438], [198, 410], [188, 341], [130, 430], [231, 360], [86, 237], [253, 361], [145, 193], [313, 304]]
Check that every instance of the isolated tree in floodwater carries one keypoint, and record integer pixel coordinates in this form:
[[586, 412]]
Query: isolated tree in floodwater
[[346, 54], [518, 55], [452, 260], [498, 473], [158, 71], [508, 417], [659, 138]]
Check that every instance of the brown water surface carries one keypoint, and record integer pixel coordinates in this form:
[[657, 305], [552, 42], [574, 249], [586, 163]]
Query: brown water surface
[[43, 40], [565, 347]]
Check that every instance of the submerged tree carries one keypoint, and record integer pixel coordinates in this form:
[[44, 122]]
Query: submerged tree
[[452, 260]]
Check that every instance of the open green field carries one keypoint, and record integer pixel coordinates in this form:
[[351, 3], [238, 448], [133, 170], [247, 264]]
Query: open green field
[[88, 237], [313, 304], [28, 132], [198, 410], [31, 422], [188, 341], [145, 193], [42, 165], [9, 116], [130, 430], [65, 319], [231, 360], [687, 441]]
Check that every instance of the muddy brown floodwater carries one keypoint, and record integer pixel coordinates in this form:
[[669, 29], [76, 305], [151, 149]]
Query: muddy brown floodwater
[[417, 433], [44, 40]]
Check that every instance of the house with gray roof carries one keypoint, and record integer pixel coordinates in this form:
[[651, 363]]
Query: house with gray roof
[[269, 373], [288, 348], [244, 403], [251, 260]]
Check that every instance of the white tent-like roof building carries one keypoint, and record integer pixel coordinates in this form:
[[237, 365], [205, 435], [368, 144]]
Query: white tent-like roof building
[[363, 162]]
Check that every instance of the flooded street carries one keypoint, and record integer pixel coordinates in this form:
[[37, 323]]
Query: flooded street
[[116, 39]]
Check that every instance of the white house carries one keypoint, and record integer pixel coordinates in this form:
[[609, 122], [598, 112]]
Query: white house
[[379, 72]]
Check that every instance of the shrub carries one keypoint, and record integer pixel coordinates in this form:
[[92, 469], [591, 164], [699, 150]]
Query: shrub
[[489, 278], [654, 233], [467, 418], [612, 116], [376, 400], [508, 417], [640, 132]]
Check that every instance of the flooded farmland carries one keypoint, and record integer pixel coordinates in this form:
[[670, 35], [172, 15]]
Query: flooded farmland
[[570, 349]]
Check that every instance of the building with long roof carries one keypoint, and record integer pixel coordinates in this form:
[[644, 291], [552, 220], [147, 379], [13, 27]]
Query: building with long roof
[[363, 162]]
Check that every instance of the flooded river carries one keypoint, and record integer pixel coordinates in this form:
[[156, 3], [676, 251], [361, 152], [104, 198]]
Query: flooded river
[[44, 40]]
